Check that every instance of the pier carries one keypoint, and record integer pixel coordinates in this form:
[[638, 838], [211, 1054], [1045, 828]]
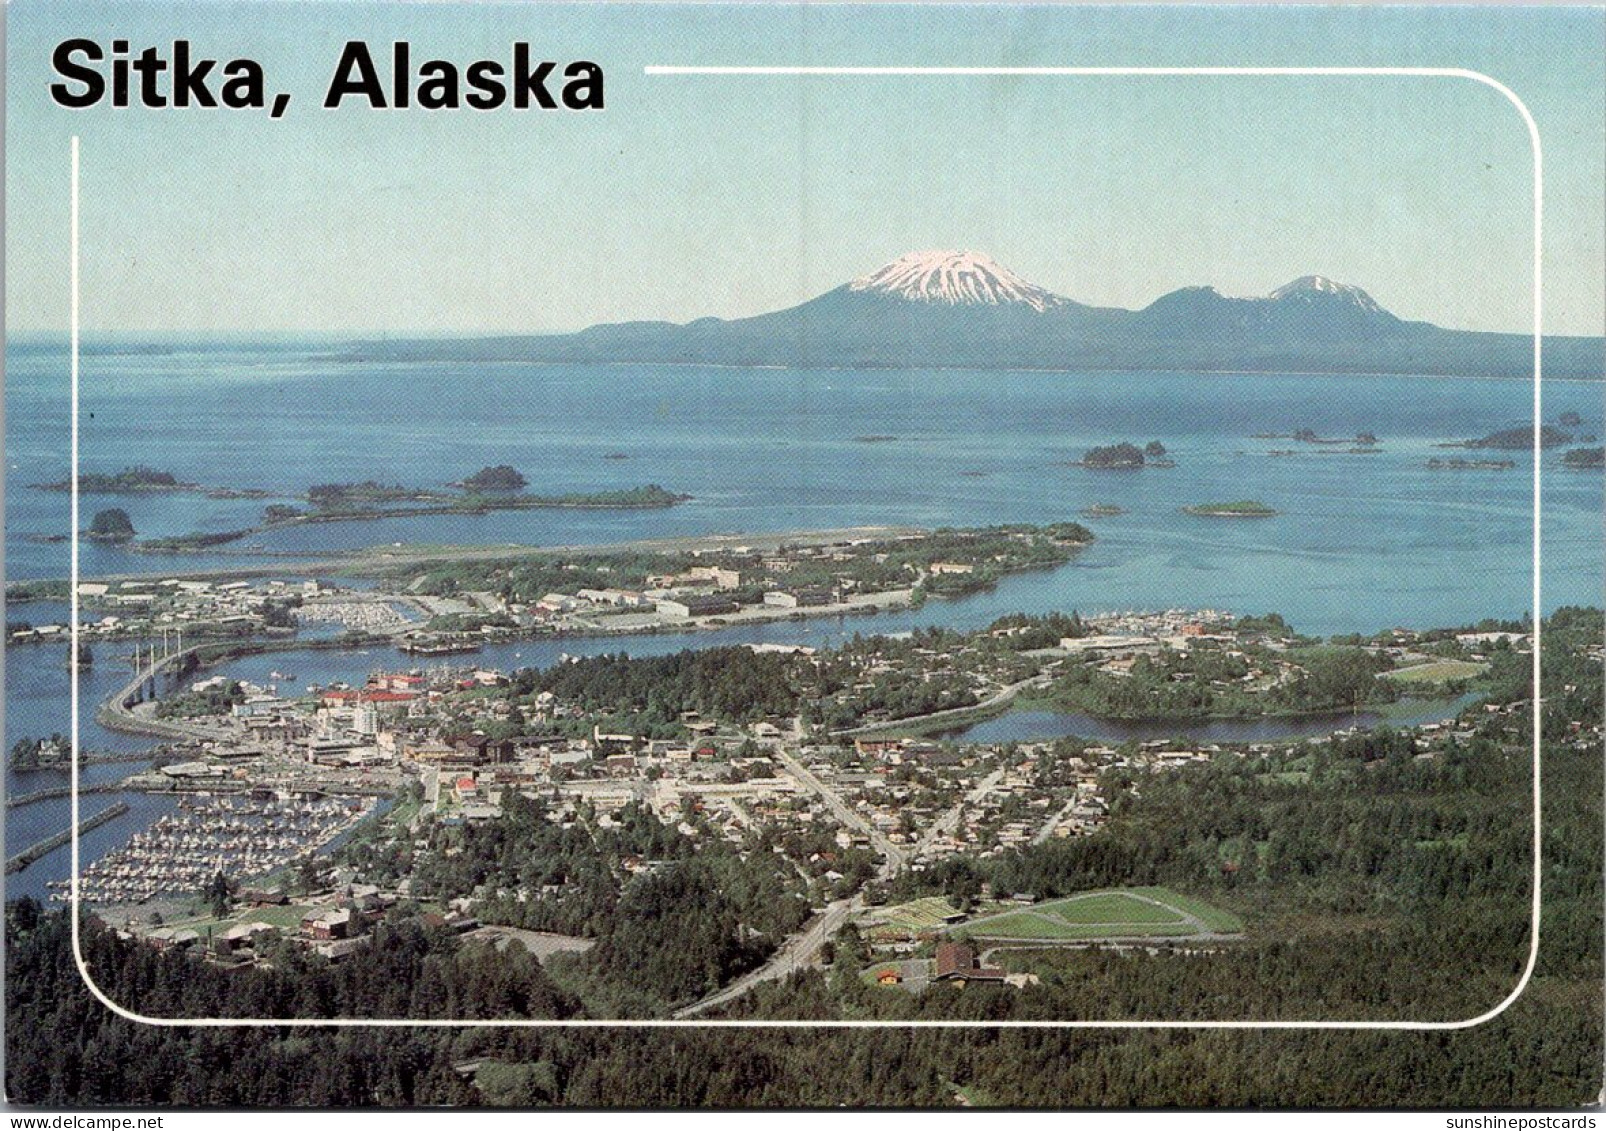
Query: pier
[[33, 852]]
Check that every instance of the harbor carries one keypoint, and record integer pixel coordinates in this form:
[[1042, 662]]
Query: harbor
[[238, 836]]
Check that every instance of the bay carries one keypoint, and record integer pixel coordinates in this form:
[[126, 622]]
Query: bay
[[1362, 542]]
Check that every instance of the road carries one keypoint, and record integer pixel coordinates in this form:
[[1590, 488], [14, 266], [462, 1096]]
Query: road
[[799, 950], [950, 820], [1053, 822], [998, 698], [113, 715], [893, 857], [797, 953]]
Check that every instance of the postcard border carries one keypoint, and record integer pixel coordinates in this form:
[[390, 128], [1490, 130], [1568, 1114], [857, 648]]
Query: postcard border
[[852, 71]]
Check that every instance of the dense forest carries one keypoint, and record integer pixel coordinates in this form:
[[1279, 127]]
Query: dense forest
[[690, 922], [1207, 682], [1375, 882]]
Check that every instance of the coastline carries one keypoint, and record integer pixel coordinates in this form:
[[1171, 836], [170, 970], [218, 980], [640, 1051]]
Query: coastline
[[365, 562]]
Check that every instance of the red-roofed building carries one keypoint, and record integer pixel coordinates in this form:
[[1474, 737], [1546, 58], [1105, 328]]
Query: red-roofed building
[[381, 697], [956, 962]]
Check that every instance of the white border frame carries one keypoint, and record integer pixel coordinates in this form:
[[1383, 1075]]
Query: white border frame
[[665, 1023]]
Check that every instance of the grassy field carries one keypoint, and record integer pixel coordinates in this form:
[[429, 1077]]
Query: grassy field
[[1111, 907], [1439, 671], [1128, 912], [1025, 925], [285, 918], [1212, 917]]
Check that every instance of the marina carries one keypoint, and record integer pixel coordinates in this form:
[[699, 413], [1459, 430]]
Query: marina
[[238, 836]]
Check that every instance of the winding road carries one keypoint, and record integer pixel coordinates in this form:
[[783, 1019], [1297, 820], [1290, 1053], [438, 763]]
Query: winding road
[[1001, 696], [796, 953]]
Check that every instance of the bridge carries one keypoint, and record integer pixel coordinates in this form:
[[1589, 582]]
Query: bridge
[[117, 712]]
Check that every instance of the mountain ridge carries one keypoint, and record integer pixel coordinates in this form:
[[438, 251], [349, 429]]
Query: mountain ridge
[[963, 309]]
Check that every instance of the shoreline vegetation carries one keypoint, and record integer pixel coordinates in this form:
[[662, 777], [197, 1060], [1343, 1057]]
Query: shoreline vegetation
[[489, 489], [1242, 508], [374, 561], [1516, 439], [1457, 464], [600, 592], [1309, 436], [141, 480]]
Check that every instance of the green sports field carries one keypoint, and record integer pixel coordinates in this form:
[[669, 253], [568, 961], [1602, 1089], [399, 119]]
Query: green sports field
[[1147, 912], [1439, 671]]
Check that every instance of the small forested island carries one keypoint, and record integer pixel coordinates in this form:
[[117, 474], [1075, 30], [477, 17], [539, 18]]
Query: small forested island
[[1584, 457], [1310, 436], [129, 481], [1516, 439], [356, 500], [1125, 456], [141, 480], [1360, 439], [352, 502], [498, 478], [200, 540], [110, 525], [1103, 510], [1242, 508], [39, 753], [336, 496], [1569, 420], [1457, 464], [490, 488], [649, 496]]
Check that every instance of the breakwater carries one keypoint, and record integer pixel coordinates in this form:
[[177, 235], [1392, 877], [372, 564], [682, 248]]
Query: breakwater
[[34, 851]]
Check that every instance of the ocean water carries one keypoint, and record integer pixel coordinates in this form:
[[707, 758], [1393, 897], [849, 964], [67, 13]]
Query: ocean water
[[1361, 542]]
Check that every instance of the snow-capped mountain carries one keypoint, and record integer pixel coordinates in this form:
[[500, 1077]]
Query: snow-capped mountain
[[963, 309], [955, 278], [1320, 289], [1311, 309]]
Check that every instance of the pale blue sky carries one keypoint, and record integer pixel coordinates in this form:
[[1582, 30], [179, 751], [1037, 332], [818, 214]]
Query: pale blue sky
[[731, 196]]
